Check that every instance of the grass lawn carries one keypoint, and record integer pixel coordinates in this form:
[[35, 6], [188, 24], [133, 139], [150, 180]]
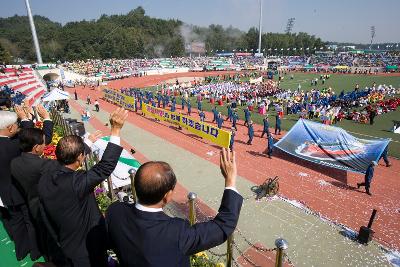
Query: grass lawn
[[8, 258], [380, 129]]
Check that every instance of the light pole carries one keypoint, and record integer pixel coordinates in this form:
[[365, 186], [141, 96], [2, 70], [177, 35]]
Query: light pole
[[34, 36], [372, 36], [259, 29]]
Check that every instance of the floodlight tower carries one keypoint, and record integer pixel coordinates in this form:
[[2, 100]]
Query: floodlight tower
[[34, 36], [259, 28], [290, 25], [372, 36]]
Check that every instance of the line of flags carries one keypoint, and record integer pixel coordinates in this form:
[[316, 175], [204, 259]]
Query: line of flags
[[288, 49]]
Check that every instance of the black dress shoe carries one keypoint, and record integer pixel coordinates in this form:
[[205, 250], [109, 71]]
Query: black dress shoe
[[358, 186], [369, 193]]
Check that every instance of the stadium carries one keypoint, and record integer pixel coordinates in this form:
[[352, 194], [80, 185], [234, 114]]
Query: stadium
[[119, 135]]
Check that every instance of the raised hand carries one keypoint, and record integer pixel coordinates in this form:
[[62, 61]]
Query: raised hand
[[42, 112], [228, 167], [117, 120], [20, 112], [95, 136], [27, 108]]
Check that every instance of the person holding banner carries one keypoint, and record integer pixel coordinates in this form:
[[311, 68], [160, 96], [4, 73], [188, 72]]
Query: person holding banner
[[173, 105], [250, 132], [384, 156], [202, 116], [369, 174], [189, 107], [159, 99], [183, 103]]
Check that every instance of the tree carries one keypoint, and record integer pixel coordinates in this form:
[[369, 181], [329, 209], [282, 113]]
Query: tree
[[5, 57]]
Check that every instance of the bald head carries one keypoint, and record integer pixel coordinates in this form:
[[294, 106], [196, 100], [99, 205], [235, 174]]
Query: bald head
[[69, 148], [152, 181]]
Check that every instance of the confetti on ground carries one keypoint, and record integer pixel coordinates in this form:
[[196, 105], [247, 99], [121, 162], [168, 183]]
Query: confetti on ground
[[303, 174], [210, 153], [323, 183]]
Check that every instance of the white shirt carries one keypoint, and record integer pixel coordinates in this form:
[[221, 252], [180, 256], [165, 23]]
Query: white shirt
[[113, 139]]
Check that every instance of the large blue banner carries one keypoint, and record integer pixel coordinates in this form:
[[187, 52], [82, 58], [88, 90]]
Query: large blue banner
[[331, 146]]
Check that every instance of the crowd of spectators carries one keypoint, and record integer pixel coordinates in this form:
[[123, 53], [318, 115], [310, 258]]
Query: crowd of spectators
[[119, 68]]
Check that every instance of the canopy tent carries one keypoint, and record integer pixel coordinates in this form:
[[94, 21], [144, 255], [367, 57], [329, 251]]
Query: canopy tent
[[392, 67], [120, 176], [341, 67], [55, 94], [331, 146]]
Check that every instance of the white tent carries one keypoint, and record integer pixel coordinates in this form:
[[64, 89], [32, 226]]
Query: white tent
[[55, 94]]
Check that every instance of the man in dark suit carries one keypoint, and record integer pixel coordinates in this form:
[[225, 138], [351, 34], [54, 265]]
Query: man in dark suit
[[68, 199], [143, 235], [27, 170], [15, 215]]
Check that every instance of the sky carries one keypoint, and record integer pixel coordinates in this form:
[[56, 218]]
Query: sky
[[331, 20]]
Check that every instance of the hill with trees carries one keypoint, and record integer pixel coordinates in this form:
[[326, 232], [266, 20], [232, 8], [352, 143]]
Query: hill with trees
[[134, 35]]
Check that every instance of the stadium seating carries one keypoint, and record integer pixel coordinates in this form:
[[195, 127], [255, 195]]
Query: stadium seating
[[24, 83]]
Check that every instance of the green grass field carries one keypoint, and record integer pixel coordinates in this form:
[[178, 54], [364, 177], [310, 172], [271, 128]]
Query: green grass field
[[380, 129]]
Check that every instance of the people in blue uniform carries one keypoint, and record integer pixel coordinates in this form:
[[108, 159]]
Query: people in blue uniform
[[247, 116], [189, 107], [270, 145], [235, 118], [369, 174], [215, 113], [250, 132], [183, 103], [202, 116], [173, 105], [265, 126], [385, 157], [199, 105], [229, 112], [277, 124], [232, 141], [220, 120]]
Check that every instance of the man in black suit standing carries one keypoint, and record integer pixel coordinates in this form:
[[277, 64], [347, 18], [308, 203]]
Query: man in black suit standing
[[68, 199], [15, 214], [143, 235]]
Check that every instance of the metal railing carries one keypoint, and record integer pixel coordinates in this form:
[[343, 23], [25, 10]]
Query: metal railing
[[280, 244]]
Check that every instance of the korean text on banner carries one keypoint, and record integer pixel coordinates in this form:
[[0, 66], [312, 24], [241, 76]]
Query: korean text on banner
[[217, 136], [122, 100]]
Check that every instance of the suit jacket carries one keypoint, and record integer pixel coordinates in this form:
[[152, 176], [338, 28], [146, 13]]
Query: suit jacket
[[142, 238], [69, 201], [10, 149], [27, 170]]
